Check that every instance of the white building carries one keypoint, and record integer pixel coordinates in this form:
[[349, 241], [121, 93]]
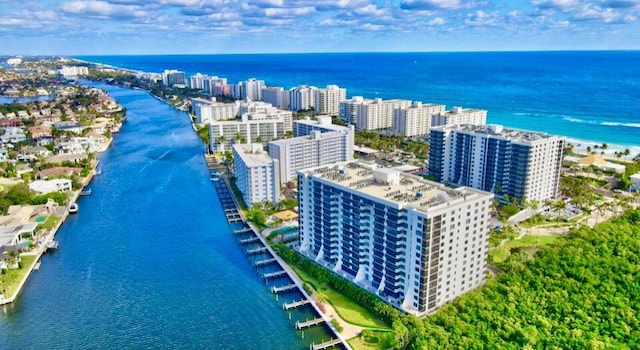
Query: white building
[[73, 71], [415, 243], [276, 96], [13, 135], [319, 148], [48, 186], [257, 175], [207, 111], [518, 163], [252, 127], [416, 119], [327, 100], [248, 90], [369, 114], [172, 77], [459, 115], [14, 61], [302, 98]]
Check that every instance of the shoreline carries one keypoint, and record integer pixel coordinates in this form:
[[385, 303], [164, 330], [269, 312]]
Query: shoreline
[[50, 236], [634, 148]]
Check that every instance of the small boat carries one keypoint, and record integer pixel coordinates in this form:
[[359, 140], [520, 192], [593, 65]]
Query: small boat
[[73, 208], [52, 245], [98, 171], [37, 266], [86, 192]]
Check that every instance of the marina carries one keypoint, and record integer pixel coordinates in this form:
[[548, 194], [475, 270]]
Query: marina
[[285, 287]]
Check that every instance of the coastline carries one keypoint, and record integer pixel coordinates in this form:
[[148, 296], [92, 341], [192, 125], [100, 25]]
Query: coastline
[[584, 143], [50, 236]]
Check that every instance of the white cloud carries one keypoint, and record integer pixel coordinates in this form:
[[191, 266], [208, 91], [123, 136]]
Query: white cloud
[[481, 19], [102, 9], [289, 12], [438, 21]]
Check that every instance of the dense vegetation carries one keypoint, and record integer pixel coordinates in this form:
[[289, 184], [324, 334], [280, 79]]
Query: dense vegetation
[[581, 294]]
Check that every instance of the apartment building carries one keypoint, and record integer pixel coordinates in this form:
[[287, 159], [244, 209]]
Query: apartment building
[[415, 243], [518, 163], [318, 148], [257, 175], [327, 100], [415, 120]]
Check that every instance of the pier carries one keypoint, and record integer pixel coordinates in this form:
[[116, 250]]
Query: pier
[[250, 240], [266, 276], [257, 250], [286, 288], [295, 304], [327, 344], [305, 324], [249, 235], [265, 262]]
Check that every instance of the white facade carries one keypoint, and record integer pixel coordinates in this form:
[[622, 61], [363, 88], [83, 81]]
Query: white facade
[[518, 163], [257, 175], [302, 98], [207, 111], [459, 115], [311, 151], [369, 114], [415, 243], [416, 119], [248, 90], [327, 100], [73, 71], [172, 77], [276, 96], [251, 127], [48, 186]]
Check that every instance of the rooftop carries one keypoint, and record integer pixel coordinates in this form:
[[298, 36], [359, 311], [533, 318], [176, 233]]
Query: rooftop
[[252, 155], [394, 186], [321, 121], [499, 130]]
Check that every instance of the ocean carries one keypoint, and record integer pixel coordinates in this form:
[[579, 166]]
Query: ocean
[[149, 261], [587, 96]]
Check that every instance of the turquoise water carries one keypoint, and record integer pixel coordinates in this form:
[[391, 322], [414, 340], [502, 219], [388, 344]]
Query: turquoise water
[[584, 95], [150, 262]]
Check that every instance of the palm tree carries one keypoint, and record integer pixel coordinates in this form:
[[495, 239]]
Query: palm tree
[[220, 140], [558, 206]]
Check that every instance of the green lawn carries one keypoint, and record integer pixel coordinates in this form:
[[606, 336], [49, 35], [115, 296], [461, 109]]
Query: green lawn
[[380, 338], [345, 307], [49, 223], [12, 277], [501, 254]]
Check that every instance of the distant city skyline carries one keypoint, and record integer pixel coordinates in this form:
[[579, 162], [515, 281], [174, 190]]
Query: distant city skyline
[[98, 27]]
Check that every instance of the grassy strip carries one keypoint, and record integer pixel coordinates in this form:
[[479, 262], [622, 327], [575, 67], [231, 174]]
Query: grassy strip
[[11, 279], [49, 223], [348, 310], [501, 254]]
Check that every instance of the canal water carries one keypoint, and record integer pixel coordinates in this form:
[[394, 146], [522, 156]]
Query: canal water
[[149, 260]]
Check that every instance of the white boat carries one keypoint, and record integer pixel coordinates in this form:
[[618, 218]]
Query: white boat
[[52, 245], [73, 208]]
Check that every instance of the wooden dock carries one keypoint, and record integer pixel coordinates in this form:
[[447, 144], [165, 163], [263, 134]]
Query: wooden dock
[[295, 304], [305, 324], [327, 344], [242, 230]]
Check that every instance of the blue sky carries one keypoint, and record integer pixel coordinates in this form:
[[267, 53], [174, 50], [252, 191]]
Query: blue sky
[[79, 27]]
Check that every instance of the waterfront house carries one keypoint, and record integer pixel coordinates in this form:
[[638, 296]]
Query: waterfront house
[[57, 172], [11, 235], [48, 186]]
